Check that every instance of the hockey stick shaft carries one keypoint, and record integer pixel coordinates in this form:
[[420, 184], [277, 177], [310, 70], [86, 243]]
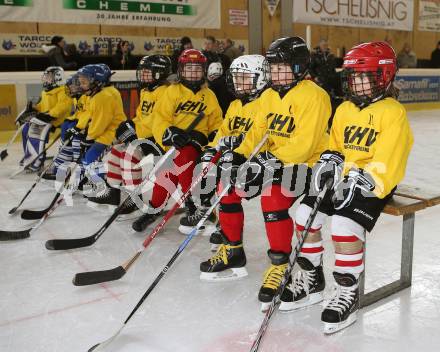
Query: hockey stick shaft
[[13, 210], [180, 249], [94, 277], [62, 244], [37, 157], [4, 152], [292, 261]]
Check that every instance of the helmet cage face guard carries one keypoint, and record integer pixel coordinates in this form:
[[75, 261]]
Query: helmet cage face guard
[[242, 82], [145, 76], [49, 80], [191, 74], [73, 88], [364, 86], [93, 84]]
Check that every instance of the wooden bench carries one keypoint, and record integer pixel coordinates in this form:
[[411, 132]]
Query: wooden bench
[[407, 200]]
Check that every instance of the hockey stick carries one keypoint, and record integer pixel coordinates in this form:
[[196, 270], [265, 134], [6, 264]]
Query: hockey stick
[[19, 235], [13, 210], [292, 261], [36, 158], [183, 245], [4, 153], [63, 244], [95, 277]]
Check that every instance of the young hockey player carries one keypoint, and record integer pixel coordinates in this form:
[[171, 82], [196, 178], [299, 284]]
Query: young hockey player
[[247, 77], [177, 108], [152, 73], [369, 146], [104, 110], [294, 113], [54, 107]]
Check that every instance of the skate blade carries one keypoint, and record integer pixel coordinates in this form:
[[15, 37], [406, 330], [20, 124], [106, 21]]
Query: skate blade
[[186, 230], [103, 208], [308, 301], [227, 275], [331, 328]]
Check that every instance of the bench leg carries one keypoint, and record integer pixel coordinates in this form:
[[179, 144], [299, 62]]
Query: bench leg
[[405, 268]]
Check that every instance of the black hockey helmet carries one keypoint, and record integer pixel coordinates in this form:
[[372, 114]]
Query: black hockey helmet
[[294, 52], [160, 67]]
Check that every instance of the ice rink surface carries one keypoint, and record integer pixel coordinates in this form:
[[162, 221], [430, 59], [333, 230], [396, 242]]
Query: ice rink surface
[[41, 310]]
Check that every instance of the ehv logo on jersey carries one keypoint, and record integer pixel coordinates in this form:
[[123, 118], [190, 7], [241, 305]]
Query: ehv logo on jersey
[[240, 123], [147, 106], [191, 106], [281, 125], [359, 138]]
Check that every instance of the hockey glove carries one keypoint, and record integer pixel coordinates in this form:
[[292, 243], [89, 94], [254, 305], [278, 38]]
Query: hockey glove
[[73, 131], [46, 118], [208, 154], [126, 132], [174, 136], [231, 142], [329, 166], [355, 180], [229, 164]]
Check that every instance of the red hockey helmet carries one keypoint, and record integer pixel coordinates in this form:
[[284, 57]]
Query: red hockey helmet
[[368, 72], [192, 68]]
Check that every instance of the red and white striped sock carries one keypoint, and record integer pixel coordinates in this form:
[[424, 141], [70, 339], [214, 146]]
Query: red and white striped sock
[[345, 232]]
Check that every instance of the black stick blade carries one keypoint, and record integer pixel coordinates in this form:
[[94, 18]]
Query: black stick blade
[[33, 214], [14, 235], [13, 210], [63, 244], [96, 277], [93, 348], [3, 154]]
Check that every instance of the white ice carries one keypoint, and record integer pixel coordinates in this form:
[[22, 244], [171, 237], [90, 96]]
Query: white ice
[[40, 309]]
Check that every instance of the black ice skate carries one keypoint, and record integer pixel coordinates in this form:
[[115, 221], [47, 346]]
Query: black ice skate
[[109, 199], [306, 289], [188, 222], [342, 309], [272, 278], [227, 264], [216, 238]]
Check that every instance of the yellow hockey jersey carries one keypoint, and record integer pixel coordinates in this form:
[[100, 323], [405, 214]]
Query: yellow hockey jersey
[[106, 113], [239, 119], [377, 139], [144, 114], [179, 106], [81, 113], [296, 124], [57, 104]]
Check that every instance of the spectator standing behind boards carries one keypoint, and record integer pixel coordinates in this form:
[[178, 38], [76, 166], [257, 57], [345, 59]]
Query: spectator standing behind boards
[[230, 50], [217, 83], [212, 54], [185, 43], [435, 57], [57, 55], [407, 58], [122, 59], [323, 67]]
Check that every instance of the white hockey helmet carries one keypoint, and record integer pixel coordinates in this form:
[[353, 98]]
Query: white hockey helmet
[[215, 70], [248, 75], [52, 77]]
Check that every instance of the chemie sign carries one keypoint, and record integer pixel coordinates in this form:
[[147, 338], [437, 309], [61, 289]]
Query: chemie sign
[[389, 14], [154, 13]]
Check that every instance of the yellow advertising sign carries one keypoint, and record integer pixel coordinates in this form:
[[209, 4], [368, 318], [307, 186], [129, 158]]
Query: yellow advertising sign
[[8, 107]]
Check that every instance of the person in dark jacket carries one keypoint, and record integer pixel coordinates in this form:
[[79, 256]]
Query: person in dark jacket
[[122, 59], [435, 57], [217, 83], [57, 56]]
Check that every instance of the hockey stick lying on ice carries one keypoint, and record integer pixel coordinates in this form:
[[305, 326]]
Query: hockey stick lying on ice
[[36, 158], [19, 235], [62, 244], [95, 277], [292, 261], [183, 245], [4, 153], [13, 210]]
